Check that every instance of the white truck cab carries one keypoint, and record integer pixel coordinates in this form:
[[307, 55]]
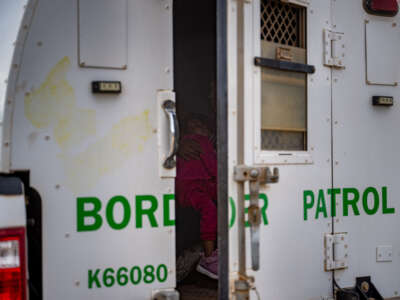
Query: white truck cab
[[306, 126]]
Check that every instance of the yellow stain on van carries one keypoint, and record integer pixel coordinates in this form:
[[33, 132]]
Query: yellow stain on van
[[53, 105], [128, 136]]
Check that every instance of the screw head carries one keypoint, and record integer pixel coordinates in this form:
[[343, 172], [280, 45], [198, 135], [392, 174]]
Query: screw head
[[254, 173]]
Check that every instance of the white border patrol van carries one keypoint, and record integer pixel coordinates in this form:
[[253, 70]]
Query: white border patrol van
[[307, 142]]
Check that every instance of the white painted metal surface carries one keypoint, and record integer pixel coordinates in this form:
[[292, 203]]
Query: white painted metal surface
[[292, 249], [12, 87], [366, 148], [103, 33], [110, 147], [12, 211], [381, 36], [77, 145]]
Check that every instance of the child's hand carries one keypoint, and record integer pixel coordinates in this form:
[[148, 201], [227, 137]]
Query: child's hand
[[189, 150]]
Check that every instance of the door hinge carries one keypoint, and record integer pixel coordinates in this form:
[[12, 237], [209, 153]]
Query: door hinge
[[334, 49], [336, 251]]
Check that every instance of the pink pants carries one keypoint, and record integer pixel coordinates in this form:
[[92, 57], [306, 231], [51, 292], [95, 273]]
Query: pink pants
[[201, 194]]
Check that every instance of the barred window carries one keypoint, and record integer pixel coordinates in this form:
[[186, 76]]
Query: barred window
[[284, 101]]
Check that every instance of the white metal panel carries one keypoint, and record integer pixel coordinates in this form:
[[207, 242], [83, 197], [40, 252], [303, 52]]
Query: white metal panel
[[109, 148], [366, 151], [103, 33], [292, 249], [232, 132], [12, 85], [381, 38], [12, 211]]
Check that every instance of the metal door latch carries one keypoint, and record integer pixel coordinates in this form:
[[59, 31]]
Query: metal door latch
[[336, 251], [255, 176]]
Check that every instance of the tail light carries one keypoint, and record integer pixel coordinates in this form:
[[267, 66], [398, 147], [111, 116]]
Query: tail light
[[388, 8], [12, 264]]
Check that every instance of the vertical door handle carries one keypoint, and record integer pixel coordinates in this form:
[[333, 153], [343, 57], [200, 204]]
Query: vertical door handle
[[169, 109]]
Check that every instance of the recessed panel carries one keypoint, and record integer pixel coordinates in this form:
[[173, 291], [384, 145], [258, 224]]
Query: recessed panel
[[103, 33], [382, 46]]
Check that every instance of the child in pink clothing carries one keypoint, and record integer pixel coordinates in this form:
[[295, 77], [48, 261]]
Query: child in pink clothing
[[196, 185]]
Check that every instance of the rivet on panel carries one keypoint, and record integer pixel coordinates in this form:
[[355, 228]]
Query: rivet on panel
[[334, 26], [154, 130], [311, 79], [394, 24], [337, 220], [27, 94], [328, 160], [311, 11], [15, 66], [6, 144], [335, 80], [67, 235], [336, 122], [39, 44], [77, 283], [396, 293], [167, 70], [167, 6], [25, 27], [336, 162], [57, 186], [47, 138]]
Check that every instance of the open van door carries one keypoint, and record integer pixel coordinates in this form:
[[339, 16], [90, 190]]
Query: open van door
[[90, 115], [279, 117]]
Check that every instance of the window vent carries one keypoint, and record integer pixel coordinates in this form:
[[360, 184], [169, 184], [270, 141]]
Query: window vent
[[281, 23]]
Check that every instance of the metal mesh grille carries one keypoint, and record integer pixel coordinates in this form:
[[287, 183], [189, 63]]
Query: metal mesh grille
[[280, 23]]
